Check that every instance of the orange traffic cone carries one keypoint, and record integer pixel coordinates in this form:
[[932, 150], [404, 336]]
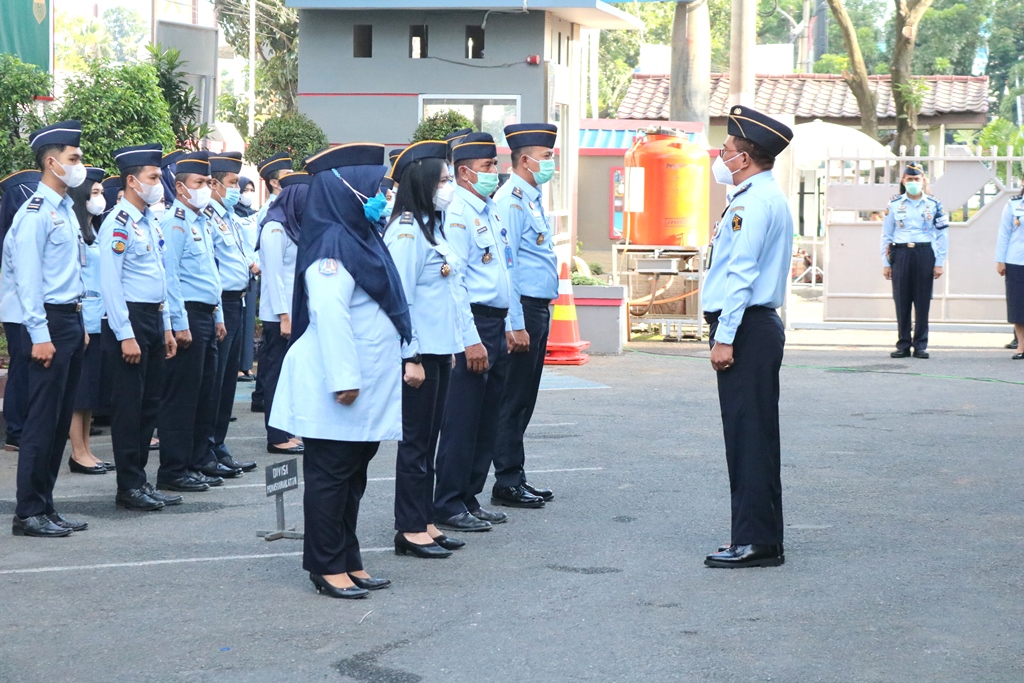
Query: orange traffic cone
[[564, 345]]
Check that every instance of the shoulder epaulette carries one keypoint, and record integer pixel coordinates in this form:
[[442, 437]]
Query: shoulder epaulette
[[743, 188], [517, 192], [1018, 197], [406, 218], [894, 197], [34, 204], [122, 217], [179, 213], [208, 211]]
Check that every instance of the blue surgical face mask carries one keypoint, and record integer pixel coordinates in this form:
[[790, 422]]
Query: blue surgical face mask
[[486, 183], [546, 171], [373, 207], [231, 197]]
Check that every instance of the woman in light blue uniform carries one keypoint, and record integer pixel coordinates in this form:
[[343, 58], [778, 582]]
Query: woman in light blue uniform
[[245, 216], [1010, 264], [429, 269], [89, 206], [340, 385]]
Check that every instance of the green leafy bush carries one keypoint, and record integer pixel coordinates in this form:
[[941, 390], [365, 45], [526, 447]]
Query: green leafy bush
[[118, 106], [596, 268], [20, 83], [580, 279], [292, 133], [182, 102], [439, 125]]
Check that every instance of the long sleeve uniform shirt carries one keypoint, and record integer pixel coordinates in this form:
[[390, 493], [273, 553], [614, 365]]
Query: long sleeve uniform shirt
[[189, 262], [916, 221]]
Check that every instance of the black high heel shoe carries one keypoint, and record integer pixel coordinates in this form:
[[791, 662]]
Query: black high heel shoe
[[79, 468], [324, 588], [429, 551], [370, 584], [449, 543]]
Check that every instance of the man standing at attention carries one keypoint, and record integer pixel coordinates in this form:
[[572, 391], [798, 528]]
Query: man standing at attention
[[746, 282]]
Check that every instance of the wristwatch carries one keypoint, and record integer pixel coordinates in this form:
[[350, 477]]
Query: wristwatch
[[415, 360]]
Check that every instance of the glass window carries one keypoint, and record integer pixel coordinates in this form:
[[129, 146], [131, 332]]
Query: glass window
[[489, 113], [418, 41], [474, 42], [362, 41]]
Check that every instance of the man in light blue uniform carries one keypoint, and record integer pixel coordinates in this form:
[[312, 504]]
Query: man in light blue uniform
[[1010, 264], [914, 245], [746, 281], [534, 285], [236, 264], [470, 428], [188, 404], [136, 334], [47, 276]]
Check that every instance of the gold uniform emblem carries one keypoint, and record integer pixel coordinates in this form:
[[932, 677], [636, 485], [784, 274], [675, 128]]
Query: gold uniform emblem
[[540, 239]]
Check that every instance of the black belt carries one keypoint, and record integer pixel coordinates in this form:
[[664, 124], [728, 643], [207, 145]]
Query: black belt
[[911, 245], [713, 316], [144, 306], [63, 308], [200, 307], [489, 311], [240, 294], [534, 300]]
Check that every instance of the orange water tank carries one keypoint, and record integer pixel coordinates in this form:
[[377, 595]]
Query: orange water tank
[[675, 190]]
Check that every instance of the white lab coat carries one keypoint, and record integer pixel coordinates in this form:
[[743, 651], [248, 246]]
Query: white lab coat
[[350, 344]]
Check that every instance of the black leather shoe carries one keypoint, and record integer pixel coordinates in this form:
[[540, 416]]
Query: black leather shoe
[[488, 516], [165, 498], [1012, 345], [921, 354], [726, 546], [208, 480], [110, 467], [289, 450], [244, 465], [463, 522], [515, 497], [232, 419], [216, 469], [137, 499], [79, 468], [545, 494], [256, 407], [61, 521], [186, 483], [449, 543], [905, 353], [324, 588], [246, 377], [370, 584], [740, 556], [39, 526], [1018, 356], [403, 546]]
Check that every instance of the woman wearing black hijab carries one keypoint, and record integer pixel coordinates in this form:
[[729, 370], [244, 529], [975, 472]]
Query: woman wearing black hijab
[[340, 386]]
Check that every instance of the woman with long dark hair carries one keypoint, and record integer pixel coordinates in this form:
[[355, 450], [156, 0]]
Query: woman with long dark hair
[[340, 385], [89, 206], [430, 272]]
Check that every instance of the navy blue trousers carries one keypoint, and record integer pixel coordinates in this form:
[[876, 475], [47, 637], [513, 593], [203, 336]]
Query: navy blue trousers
[[137, 389], [913, 277], [188, 401], [272, 352], [748, 394], [469, 431], [16, 391], [335, 478], [422, 413], [51, 401], [521, 387], [229, 350]]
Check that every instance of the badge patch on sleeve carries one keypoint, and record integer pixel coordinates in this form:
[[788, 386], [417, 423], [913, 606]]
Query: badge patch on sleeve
[[120, 235], [737, 223], [118, 247], [328, 267]]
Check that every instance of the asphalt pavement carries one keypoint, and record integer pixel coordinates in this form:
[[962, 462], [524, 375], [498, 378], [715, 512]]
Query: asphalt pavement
[[904, 503]]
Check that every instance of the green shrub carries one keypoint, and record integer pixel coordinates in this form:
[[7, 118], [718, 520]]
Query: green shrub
[[596, 268], [182, 102], [580, 279], [20, 84], [118, 106], [439, 125], [292, 133]]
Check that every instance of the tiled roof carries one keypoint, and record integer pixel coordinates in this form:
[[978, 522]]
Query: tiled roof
[[811, 96]]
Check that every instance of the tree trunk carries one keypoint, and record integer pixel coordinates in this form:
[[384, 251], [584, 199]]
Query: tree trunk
[[857, 76], [908, 16], [690, 91]]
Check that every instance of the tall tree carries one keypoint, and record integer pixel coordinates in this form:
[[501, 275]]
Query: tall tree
[[691, 63], [857, 75], [1006, 45], [906, 95], [127, 32]]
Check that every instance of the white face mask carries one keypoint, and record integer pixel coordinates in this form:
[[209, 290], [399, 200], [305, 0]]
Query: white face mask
[[443, 197], [96, 205], [74, 174], [245, 199], [198, 199], [721, 172], [158, 210], [150, 194]]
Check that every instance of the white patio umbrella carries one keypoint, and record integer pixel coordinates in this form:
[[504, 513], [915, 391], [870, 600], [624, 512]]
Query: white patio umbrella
[[815, 141]]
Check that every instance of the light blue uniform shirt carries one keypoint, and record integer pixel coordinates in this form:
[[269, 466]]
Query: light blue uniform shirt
[[249, 229], [189, 263], [1010, 243], [277, 279], [751, 254], [10, 305], [473, 229], [232, 259], [433, 292], [50, 253], [92, 302], [529, 232], [916, 220], [261, 213], [131, 252]]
